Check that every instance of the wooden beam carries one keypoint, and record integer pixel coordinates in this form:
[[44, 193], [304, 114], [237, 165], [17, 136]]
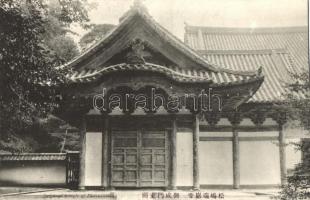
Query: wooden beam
[[196, 185], [173, 154], [105, 152], [248, 139], [227, 128], [236, 160], [82, 154], [282, 155]]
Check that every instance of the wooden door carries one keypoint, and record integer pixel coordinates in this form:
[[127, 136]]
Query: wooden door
[[124, 159], [139, 158], [153, 159]]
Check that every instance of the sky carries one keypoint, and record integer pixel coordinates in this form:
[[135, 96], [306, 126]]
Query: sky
[[173, 14]]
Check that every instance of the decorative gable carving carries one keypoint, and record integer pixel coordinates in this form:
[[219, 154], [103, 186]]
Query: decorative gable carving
[[135, 56]]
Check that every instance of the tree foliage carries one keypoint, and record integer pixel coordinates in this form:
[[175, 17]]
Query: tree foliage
[[298, 102], [96, 33], [33, 42]]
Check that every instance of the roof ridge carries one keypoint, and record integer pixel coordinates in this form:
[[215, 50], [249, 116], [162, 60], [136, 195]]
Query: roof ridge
[[256, 72], [223, 30], [160, 30], [242, 51], [98, 43], [145, 15]]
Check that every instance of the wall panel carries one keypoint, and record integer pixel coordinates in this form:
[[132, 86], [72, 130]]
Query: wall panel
[[93, 159], [215, 162], [184, 159], [259, 163]]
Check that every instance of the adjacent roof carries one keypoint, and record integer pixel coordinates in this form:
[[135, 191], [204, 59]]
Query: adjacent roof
[[278, 50], [33, 156]]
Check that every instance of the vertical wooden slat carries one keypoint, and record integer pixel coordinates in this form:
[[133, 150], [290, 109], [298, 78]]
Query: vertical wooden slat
[[173, 154], [196, 153], [124, 164], [282, 155], [110, 156], [105, 153], [82, 154], [236, 159], [166, 159], [139, 157], [67, 169], [153, 166]]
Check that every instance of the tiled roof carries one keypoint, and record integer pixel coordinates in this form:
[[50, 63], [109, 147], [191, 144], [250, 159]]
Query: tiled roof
[[277, 50], [32, 156], [217, 78], [105, 57], [275, 77], [127, 19], [128, 22], [294, 39]]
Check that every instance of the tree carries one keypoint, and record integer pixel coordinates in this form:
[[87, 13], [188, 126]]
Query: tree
[[60, 15], [298, 101], [29, 56], [63, 47], [97, 32]]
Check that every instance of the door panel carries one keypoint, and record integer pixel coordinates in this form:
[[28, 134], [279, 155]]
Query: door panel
[[154, 166], [124, 158], [139, 158]]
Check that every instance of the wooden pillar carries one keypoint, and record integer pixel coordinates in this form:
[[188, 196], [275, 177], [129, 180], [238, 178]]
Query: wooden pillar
[[173, 154], [236, 159], [105, 152], [109, 158], [281, 119], [282, 155], [235, 119], [82, 154], [196, 185]]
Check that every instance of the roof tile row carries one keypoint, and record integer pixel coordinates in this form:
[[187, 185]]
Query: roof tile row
[[278, 50], [177, 74], [33, 156]]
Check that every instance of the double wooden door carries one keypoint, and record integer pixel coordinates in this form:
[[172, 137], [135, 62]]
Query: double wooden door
[[139, 158]]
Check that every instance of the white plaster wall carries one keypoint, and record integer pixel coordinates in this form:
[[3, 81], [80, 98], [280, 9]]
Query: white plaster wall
[[30, 173], [244, 122], [270, 121], [215, 162], [215, 134], [296, 133], [259, 134], [259, 163], [184, 153], [93, 159]]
